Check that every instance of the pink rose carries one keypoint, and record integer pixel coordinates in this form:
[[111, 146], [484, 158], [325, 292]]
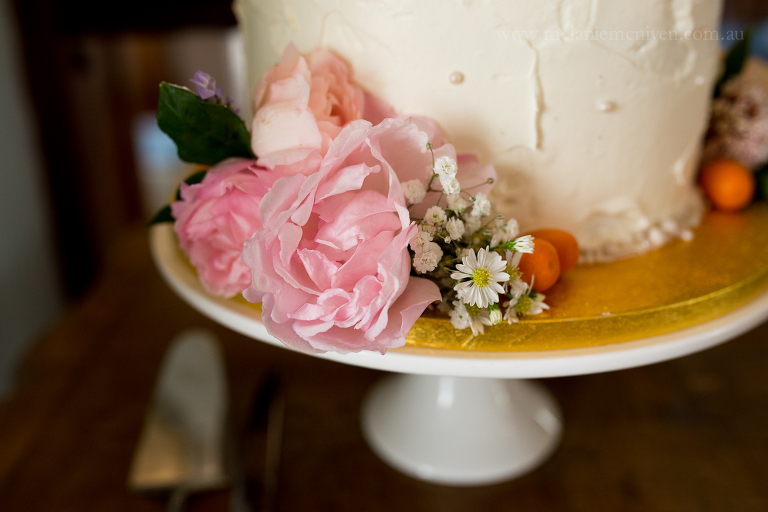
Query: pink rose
[[331, 265], [215, 217], [377, 110], [301, 105]]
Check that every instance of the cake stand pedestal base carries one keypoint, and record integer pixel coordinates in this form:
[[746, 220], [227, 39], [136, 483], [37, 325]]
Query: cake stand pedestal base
[[461, 430]]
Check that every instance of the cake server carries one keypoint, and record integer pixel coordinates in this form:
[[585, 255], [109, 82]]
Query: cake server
[[182, 444]]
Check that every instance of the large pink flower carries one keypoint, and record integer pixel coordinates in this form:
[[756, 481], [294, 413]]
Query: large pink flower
[[301, 105], [331, 264], [214, 218]]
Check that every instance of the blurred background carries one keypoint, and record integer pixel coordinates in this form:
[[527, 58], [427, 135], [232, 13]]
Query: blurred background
[[82, 160]]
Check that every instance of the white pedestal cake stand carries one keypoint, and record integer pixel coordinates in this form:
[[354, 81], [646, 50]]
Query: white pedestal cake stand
[[461, 417]]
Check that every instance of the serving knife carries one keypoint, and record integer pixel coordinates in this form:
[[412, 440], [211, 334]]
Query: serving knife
[[181, 447]]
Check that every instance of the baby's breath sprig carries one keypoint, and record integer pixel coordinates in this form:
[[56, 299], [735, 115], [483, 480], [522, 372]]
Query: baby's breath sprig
[[471, 255]]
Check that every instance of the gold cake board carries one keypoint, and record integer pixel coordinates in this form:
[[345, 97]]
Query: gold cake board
[[681, 285]]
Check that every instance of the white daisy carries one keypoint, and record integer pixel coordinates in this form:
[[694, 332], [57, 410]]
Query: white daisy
[[484, 271], [524, 244]]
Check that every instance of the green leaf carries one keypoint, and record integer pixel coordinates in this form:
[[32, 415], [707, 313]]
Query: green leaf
[[734, 61], [204, 133], [163, 215], [192, 180]]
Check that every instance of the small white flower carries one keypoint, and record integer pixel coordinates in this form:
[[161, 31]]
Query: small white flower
[[450, 185], [433, 247], [524, 244], [484, 273], [455, 228], [510, 313], [515, 286], [537, 303], [457, 203], [504, 233], [414, 191], [481, 206], [529, 303], [435, 216], [418, 241], [425, 262], [428, 259], [478, 320], [428, 228], [463, 316], [495, 314], [512, 228], [498, 236], [464, 252], [471, 225], [459, 315], [445, 166]]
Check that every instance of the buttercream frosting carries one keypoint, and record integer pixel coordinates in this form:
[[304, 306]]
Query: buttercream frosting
[[591, 111]]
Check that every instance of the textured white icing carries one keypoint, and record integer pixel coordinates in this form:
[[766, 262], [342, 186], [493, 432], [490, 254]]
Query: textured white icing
[[596, 136]]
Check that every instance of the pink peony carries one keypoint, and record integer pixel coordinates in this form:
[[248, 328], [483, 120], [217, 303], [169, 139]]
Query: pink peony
[[215, 217], [331, 265], [301, 105]]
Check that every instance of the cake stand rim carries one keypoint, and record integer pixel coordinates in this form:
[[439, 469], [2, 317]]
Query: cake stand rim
[[457, 363]]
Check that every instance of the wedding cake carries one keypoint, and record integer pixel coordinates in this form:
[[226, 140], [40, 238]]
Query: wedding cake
[[591, 112]]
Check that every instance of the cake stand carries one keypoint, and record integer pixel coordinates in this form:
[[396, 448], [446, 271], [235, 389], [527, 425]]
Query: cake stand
[[454, 416]]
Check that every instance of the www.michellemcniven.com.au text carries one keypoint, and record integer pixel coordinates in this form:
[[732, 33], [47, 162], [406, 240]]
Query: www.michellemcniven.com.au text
[[619, 35]]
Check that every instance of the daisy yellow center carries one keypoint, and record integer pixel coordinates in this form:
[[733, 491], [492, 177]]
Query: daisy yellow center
[[514, 273], [481, 277], [523, 305]]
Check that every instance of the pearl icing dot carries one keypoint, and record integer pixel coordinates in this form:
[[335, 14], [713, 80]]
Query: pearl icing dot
[[456, 77], [606, 106]]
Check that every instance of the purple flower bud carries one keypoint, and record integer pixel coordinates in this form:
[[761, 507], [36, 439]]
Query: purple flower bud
[[206, 85], [207, 91]]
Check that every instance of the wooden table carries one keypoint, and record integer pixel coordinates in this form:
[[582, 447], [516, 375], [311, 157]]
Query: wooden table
[[690, 434]]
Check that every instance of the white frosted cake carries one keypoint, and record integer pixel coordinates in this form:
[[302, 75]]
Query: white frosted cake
[[591, 111]]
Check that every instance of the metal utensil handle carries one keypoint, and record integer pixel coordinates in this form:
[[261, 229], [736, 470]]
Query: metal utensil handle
[[177, 499]]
